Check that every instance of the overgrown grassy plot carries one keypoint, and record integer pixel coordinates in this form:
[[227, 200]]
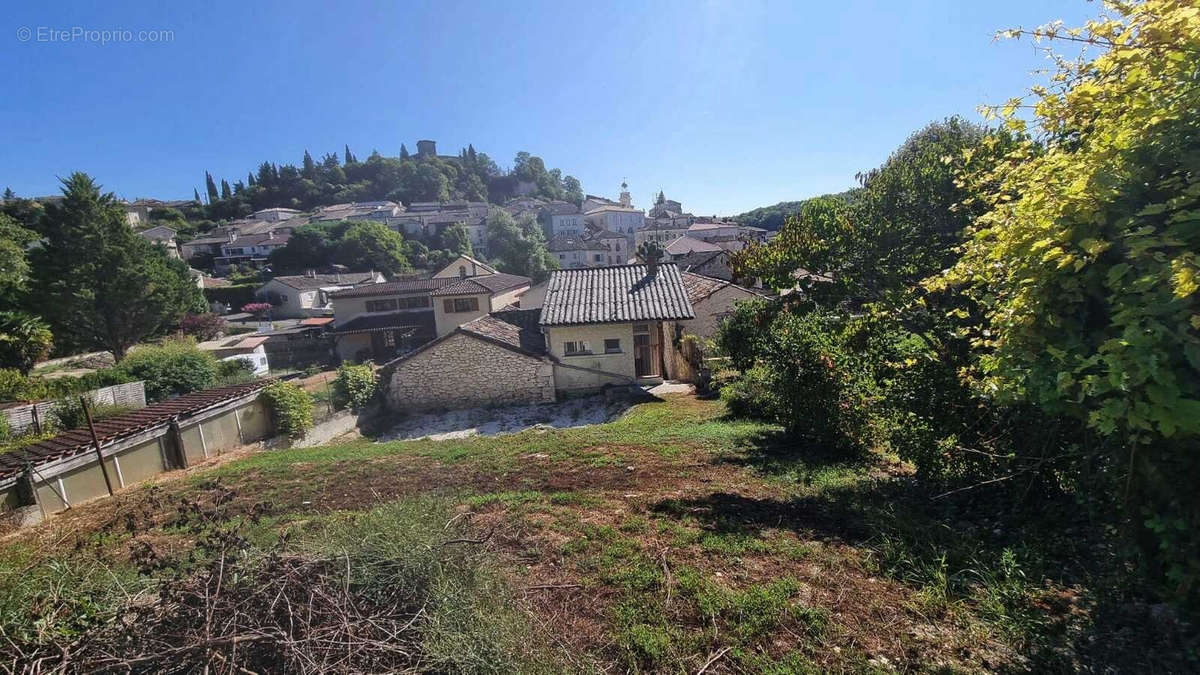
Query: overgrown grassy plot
[[669, 540], [400, 587]]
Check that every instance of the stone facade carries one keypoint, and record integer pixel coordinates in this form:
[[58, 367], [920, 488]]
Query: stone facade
[[712, 311], [463, 371]]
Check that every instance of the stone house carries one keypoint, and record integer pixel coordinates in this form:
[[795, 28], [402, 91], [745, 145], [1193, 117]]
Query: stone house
[[687, 245], [713, 300], [619, 251], [716, 264], [599, 327], [161, 234], [250, 249], [575, 252], [470, 298], [563, 219], [465, 266], [296, 297], [381, 321], [497, 359]]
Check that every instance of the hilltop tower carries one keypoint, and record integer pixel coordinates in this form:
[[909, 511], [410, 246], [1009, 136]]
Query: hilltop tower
[[626, 199]]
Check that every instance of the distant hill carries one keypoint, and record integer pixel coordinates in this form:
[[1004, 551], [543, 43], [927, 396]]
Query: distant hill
[[424, 176], [772, 217]]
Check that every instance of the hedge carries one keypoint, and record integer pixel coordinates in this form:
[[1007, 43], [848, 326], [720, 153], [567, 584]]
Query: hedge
[[234, 296]]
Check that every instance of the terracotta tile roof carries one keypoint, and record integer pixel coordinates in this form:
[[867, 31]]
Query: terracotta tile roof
[[563, 243], [615, 294], [304, 282], [488, 283], [685, 245], [317, 321], [516, 328], [700, 287], [114, 428], [397, 287]]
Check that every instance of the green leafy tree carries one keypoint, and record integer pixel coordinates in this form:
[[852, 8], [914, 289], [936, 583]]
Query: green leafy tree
[[372, 245], [100, 285], [24, 340], [1086, 265], [456, 240], [309, 247], [14, 265], [519, 248]]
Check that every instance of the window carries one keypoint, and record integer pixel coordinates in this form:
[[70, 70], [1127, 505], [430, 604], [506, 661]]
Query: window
[[575, 347], [415, 302], [387, 305], [612, 346], [459, 305], [283, 298], [599, 257], [462, 271]]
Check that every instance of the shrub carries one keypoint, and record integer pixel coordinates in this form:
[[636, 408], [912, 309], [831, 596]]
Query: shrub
[[234, 371], [259, 309], [291, 408], [202, 326], [68, 413], [804, 379], [234, 296], [24, 340], [355, 386], [173, 368]]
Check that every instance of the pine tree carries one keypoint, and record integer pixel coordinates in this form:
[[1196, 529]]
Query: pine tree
[[8, 194], [309, 168], [211, 187], [100, 285], [403, 152], [225, 192]]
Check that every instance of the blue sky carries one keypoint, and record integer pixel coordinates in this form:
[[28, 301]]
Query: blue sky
[[724, 105]]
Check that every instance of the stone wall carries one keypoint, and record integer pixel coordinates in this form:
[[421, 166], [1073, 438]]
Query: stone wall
[[712, 311], [465, 372]]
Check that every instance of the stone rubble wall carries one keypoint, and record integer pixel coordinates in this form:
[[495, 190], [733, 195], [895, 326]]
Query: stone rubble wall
[[467, 372]]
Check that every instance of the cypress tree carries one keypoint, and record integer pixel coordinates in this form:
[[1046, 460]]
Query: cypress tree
[[225, 192], [211, 187], [196, 196], [349, 155], [403, 152], [309, 167]]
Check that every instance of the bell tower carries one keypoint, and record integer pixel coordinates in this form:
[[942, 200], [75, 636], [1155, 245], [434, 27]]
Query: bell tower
[[625, 199]]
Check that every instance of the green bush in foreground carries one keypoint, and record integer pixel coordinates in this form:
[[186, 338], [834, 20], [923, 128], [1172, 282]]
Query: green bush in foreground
[[291, 408], [355, 386]]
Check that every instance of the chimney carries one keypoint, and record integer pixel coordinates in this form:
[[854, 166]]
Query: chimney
[[652, 264]]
